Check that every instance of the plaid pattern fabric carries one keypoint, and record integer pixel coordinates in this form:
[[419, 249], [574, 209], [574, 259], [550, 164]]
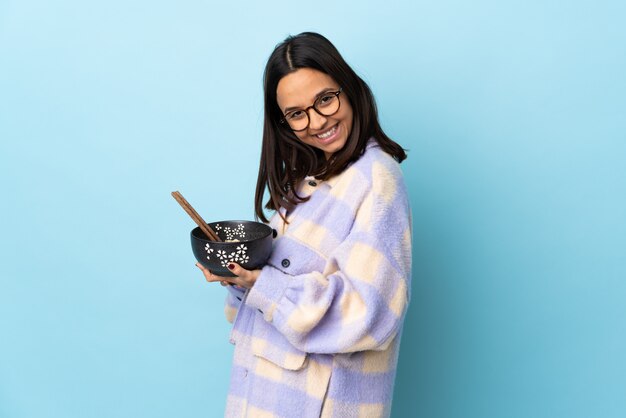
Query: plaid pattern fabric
[[319, 332]]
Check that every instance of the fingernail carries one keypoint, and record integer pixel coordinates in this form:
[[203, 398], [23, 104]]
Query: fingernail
[[231, 266]]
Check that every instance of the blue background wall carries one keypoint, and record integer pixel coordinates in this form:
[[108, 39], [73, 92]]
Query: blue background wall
[[514, 116]]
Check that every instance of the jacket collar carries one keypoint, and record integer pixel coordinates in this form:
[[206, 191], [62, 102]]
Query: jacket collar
[[333, 180]]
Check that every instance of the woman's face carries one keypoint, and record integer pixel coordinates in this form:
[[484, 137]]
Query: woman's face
[[299, 90]]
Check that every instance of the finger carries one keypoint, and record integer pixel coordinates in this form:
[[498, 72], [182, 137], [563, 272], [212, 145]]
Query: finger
[[244, 278], [238, 271], [207, 273], [210, 277], [224, 281]]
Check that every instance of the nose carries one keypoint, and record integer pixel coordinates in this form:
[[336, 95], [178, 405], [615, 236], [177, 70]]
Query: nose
[[316, 121]]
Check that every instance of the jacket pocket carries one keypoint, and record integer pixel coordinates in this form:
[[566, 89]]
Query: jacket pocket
[[288, 360], [270, 345], [275, 359], [301, 372]]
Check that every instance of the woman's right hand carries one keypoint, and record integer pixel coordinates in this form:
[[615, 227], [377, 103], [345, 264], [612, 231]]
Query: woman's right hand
[[210, 277]]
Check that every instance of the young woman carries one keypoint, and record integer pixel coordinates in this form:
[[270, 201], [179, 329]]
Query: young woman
[[317, 330]]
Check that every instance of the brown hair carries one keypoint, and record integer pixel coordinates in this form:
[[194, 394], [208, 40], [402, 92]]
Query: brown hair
[[285, 160]]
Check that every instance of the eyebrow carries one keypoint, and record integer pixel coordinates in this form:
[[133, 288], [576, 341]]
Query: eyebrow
[[317, 96]]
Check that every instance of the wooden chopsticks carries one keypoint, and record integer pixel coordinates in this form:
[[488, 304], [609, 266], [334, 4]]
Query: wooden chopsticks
[[196, 217]]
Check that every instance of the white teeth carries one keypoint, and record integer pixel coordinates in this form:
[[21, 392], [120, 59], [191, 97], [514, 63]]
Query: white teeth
[[327, 134]]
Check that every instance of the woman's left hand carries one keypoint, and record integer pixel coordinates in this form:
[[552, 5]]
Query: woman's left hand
[[244, 278]]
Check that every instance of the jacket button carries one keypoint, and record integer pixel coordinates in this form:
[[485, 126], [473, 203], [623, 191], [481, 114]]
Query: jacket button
[[312, 183], [285, 263], [260, 310], [238, 298]]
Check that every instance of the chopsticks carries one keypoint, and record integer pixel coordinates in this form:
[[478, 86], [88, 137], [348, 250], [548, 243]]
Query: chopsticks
[[196, 217]]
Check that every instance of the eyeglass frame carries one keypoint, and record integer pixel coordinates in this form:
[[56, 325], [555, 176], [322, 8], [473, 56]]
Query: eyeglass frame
[[306, 110]]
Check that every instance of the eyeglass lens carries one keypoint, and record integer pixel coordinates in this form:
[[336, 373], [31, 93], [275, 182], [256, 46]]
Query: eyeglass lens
[[325, 105]]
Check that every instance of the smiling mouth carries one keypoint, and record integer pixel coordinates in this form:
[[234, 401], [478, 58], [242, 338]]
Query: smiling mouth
[[327, 134]]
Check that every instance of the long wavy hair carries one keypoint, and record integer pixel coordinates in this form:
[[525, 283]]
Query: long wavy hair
[[285, 160]]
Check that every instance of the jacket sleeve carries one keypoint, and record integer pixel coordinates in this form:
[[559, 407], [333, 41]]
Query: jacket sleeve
[[359, 300], [234, 296]]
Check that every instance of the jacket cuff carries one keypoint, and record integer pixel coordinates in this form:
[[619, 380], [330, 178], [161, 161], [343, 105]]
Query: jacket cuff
[[268, 290], [236, 291]]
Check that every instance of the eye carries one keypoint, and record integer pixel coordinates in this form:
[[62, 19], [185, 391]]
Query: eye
[[326, 99], [295, 115]]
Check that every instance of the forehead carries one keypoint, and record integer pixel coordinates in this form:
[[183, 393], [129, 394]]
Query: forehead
[[299, 88]]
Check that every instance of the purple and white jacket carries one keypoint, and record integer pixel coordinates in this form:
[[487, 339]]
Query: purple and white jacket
[[319, 332]]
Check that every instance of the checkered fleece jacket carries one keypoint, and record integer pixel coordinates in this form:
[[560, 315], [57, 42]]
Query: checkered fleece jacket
[[319, 332]]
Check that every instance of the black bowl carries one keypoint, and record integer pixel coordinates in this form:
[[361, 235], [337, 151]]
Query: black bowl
[[251, 251]]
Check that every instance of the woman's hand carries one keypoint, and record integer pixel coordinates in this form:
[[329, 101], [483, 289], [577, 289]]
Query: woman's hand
[[244, 278]]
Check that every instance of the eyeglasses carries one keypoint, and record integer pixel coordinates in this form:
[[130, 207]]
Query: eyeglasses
[[326, 105]]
